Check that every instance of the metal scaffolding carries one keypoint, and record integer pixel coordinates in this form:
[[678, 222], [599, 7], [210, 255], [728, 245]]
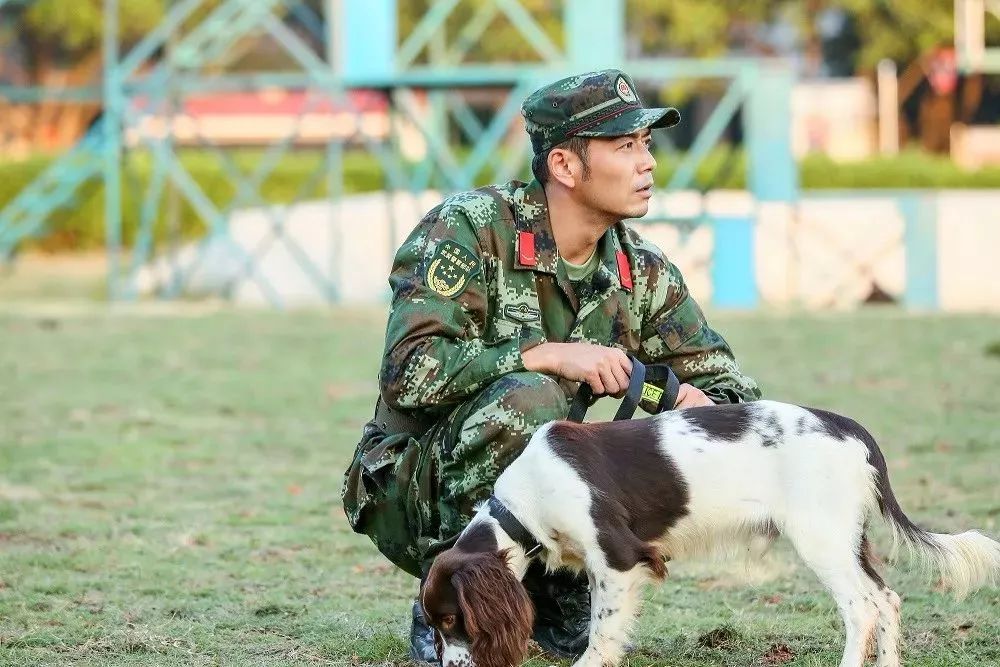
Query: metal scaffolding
[[341, 47]]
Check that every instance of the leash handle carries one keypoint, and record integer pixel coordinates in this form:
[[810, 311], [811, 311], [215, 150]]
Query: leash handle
[[581, 402], [639, 391], [634, 394]]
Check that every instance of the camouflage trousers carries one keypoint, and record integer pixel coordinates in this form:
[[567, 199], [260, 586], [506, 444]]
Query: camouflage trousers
[[413, 497]]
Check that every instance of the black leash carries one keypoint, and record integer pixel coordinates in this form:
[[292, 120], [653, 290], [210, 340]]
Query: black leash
[[654, 387]]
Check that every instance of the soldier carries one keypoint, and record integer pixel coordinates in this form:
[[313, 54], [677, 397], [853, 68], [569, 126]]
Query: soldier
[[504, 299]]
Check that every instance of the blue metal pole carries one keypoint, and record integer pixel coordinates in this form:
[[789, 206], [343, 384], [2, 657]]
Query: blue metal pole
[[595, 33], [734, 282], [771, 171], [920, 243], [771, 174], [112, 145], [366, 44]]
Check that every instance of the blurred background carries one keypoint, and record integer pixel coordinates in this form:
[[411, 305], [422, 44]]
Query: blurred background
[[832, 153], [199, 203]]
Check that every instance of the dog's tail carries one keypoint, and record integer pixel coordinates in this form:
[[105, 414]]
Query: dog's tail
[[965, 561]]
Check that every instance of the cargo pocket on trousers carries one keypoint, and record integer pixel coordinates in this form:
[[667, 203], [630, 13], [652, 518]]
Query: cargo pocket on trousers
[[378, 491]]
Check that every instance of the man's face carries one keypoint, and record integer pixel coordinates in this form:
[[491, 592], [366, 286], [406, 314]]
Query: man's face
[[621, 175]]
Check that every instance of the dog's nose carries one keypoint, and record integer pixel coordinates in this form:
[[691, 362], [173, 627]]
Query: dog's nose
[[457, 657]]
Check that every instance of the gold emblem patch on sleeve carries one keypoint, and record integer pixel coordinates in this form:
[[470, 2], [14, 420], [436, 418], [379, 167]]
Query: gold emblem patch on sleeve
[[451, 268]]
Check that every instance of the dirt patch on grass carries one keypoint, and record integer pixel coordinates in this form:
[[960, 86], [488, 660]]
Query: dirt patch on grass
[[276, 610], [778, 654], [133, 640], [17, 538], [723, 637], [16, 493]]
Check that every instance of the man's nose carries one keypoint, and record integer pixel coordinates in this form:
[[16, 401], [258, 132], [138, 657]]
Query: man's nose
[[647, 162]]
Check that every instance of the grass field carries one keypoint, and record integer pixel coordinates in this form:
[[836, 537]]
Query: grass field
[[169, 489]]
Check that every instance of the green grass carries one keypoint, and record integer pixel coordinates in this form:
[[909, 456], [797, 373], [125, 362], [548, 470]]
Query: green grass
[[169, 489]]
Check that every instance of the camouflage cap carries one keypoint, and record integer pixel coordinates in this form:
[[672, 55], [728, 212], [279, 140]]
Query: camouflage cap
[[595, 104]]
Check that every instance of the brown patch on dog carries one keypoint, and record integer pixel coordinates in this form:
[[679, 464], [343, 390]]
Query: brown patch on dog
[[637, 492]]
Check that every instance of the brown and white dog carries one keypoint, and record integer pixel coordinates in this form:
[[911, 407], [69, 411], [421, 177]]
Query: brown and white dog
[[616, 498]]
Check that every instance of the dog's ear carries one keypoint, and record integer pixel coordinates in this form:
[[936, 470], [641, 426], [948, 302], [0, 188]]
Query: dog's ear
[[496, 609]]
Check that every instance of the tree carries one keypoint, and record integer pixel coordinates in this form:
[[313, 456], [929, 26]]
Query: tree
[[900, 31], [61, 48], [697, 29], [500, 41]]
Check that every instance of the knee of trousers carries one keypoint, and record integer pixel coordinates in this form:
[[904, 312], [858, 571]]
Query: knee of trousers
[[486, 434], [504, 416], [534, 398]]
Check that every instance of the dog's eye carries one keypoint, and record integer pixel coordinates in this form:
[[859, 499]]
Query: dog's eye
[[448, 621]]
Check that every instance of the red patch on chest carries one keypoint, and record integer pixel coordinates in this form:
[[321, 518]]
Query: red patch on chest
[[526, 248], [624, 271]]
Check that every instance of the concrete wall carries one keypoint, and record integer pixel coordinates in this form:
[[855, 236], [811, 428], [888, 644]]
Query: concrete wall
[[828, 251]]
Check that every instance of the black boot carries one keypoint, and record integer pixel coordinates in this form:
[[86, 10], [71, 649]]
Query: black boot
[[422, 638], [562, 610]]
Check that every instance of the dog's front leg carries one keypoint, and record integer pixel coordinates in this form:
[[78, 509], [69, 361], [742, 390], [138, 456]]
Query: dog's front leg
[[614, 604]]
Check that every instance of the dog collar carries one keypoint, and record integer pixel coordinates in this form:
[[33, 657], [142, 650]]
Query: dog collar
[[510, 525]]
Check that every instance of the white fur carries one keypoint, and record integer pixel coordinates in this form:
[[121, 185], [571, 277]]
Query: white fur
[[818, 490], [456, 655]]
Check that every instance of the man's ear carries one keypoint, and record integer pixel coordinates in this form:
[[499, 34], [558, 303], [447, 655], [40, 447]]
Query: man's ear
[[564, 166]]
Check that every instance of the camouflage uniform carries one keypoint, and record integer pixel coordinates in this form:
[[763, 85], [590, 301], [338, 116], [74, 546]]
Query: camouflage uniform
[[477, 283]]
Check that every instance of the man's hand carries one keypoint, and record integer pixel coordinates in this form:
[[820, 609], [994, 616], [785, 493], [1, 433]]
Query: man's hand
[[605, 369], [691, 397]]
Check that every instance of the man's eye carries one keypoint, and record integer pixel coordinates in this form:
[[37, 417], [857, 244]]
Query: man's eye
[[627, 144]]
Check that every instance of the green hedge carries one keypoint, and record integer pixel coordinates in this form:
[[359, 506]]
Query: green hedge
[[910, 169], [80, 225]]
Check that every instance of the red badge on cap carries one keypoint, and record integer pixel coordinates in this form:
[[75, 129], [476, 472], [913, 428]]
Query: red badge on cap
[[526, 248], [624, 271]]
